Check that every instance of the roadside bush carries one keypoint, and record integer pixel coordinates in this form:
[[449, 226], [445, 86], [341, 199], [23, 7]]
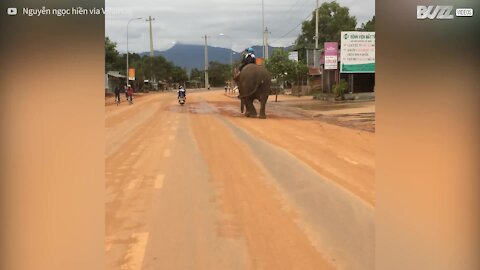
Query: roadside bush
[[340, 89], [315, 91]]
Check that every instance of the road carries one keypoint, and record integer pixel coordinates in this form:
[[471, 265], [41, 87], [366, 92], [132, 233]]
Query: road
[[203, 187]]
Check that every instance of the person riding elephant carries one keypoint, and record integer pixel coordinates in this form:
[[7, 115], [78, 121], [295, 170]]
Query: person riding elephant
[[248, 58], [253, 83]]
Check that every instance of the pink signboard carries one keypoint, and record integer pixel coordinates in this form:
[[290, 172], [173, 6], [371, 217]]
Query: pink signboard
[[331, 52]]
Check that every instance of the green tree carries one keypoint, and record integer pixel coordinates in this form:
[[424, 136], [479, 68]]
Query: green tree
[[133, 57], [178, 75], [278, 64], [156, 68], [161, 67], [218, 73], [368, 26], [298, 72], [113, 60], [146, 67], [196, 78], [332, 19], [283, 69], [196, 74]]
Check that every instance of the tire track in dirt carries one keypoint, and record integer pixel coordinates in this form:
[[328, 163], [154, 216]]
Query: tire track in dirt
[[250, 205], [327, 209]]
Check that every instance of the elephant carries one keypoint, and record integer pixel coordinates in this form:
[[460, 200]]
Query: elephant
[[253, 83]]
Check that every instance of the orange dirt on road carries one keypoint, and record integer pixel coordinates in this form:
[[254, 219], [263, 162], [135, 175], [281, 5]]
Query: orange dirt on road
[[200, 186]]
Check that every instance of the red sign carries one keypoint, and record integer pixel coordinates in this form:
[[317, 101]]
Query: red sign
[[331, 51]]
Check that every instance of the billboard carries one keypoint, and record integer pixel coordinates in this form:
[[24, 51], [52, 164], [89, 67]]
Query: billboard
[[331, 51], [131, 74], [357, 54], [293, 56]]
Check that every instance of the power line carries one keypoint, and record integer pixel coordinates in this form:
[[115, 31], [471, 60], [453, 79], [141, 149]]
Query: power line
[[289, 13], [293, 6], [293, 29]]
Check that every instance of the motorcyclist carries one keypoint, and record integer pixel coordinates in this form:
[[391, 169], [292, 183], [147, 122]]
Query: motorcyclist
[[117, 93], [182, 92], [130, 92], [248, 58]]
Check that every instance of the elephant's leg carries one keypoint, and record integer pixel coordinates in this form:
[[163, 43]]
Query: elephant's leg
[[242, 105], [248, 109], [263, 102], [254, 111], [251, 112]]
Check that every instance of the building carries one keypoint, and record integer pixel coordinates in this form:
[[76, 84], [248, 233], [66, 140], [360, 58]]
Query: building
[[315, 77], [357, 82], [321, 78], [112, 79]]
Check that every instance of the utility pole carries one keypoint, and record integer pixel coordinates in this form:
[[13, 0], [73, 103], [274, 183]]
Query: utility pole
[[207, 86], [150, 19], [315, 54], [266, 43], [129, 21], [263, 30]]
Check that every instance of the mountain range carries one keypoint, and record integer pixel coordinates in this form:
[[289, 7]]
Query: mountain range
[[192, 56]]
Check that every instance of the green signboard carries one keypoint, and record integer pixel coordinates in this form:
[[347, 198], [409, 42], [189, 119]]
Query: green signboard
[[357, 53]]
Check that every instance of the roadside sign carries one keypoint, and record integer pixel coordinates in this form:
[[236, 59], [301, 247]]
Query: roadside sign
[[131, 74], [357, 52], [331, 52], [293, 56]]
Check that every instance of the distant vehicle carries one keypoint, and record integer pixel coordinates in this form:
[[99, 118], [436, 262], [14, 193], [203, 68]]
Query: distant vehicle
[[181, 95], [130, 94], [181, 100]]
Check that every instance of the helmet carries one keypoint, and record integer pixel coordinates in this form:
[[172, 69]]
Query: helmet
[[180, 87], [250, 50]]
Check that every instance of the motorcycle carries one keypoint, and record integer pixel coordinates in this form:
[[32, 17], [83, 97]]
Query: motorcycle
[[181, 100], [181, 96]]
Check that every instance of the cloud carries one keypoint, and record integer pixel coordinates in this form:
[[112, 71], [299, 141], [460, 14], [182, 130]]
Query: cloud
[[187, 21]]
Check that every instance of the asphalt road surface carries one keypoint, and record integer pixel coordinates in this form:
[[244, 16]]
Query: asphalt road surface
[[200, 186]]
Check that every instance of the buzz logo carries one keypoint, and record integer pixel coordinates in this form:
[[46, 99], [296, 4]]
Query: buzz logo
[[434, 12]]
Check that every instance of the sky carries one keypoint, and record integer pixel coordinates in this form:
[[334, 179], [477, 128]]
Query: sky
[[187, 21]]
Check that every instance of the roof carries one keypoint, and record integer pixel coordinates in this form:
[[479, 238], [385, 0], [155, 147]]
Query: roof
[[115, 74], [314, 71]]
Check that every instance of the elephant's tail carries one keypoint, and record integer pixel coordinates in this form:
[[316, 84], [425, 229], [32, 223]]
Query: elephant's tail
[[254, 90]]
